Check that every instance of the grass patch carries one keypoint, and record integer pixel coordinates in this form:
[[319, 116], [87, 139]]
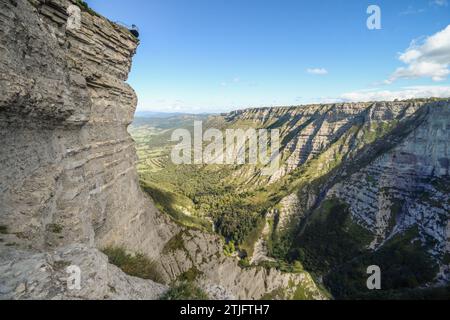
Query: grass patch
[[55, 228], [85, 7], [229, 249], [285, 267], [301, 293], [137, 265], [174, 244], [277, 294], [185, 291], [244, 263], [248, 245], [291, 292], [170, 203], [60, 265], [191, 275]]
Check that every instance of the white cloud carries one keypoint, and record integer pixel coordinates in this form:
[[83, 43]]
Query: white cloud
[[430, 59], [390, 95], [317, 71], [235, 80], [439, 3], [411, 10]]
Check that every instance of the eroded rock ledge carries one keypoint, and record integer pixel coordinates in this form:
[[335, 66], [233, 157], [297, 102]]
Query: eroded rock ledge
[[67, 161], [68, 183]]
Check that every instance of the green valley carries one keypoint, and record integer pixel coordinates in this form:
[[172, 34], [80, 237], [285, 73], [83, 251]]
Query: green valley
[[300, 217]]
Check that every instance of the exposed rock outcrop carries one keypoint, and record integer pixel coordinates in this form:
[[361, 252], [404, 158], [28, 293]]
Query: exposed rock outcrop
[[68, 180], [388, 161], [67, 161], [308, 131], [406, 186], [44, 275]]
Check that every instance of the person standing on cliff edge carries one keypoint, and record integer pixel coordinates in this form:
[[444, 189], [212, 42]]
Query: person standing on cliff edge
[[134, 31]]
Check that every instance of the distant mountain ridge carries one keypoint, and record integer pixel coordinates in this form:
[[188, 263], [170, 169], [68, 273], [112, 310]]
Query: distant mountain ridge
[[163, 115]]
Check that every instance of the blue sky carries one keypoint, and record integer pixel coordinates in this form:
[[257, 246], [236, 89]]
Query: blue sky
[[221, 55]]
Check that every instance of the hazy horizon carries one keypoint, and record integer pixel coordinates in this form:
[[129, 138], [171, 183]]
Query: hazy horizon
[[143, 110], [202, 56]]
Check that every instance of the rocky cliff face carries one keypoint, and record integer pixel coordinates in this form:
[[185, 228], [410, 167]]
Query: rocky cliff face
[[68, 181], [388, 161], [67, 161], [308, 131], [407, 187]]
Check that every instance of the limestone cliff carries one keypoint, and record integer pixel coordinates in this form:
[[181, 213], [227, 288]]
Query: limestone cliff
[[387, 161], [407, 187], [67, 161], [68, 182]]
